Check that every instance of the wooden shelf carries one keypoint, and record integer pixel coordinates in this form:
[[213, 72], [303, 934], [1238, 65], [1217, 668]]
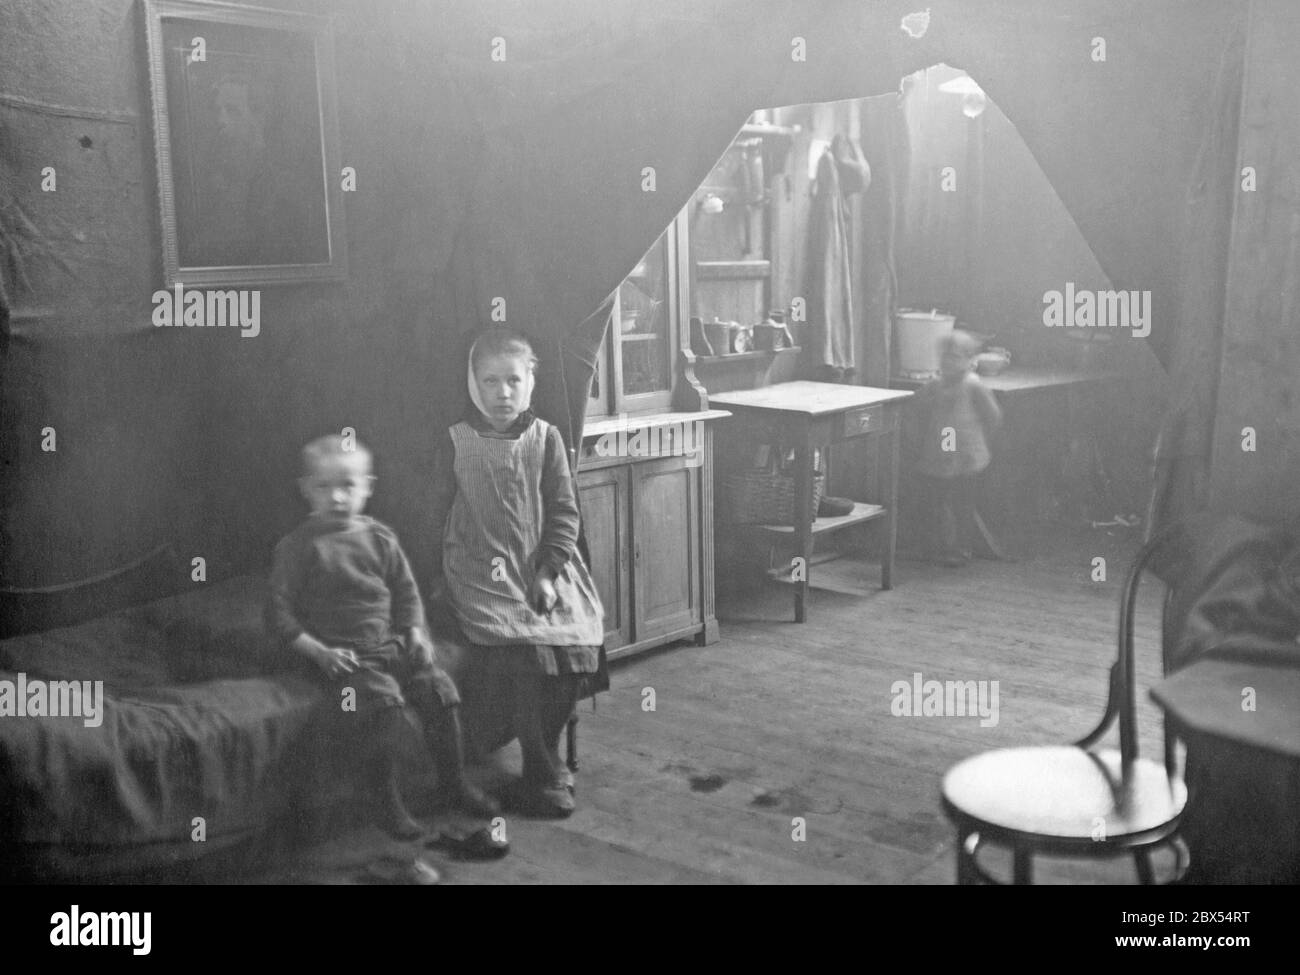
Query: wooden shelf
[[757, 354], [782, 573], [785, 574], [862, 512], [30, 314], [764, 128], [640, 336], [731, 270]]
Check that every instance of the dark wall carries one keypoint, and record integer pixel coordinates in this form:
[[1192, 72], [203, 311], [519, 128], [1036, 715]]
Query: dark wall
[[1258, 385], [189, 437]]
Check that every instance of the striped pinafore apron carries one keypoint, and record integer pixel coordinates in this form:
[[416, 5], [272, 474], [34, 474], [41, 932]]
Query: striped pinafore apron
[[490, 547]]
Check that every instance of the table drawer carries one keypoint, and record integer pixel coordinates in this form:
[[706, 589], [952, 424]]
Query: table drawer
[[866, 419]]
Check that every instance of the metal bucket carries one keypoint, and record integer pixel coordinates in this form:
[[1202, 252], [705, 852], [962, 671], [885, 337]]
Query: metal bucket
[[916, 336]]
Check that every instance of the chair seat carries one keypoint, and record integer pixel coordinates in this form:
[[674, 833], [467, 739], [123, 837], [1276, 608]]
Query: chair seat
[[1059, 796]]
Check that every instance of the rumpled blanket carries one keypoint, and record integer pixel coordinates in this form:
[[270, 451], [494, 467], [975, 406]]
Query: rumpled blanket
[[202, 742], [1236, 592]]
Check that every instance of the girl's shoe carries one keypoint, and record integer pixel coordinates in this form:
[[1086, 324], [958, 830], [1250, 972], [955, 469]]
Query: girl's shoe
[[553, 801]]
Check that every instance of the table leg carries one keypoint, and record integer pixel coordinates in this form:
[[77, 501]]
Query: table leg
[[803, 515], [889, 486]]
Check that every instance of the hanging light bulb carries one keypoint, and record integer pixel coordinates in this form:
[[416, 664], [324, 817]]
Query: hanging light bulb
[[973, 101]]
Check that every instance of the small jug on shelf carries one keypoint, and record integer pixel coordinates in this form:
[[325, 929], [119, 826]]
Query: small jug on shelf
[[773, 334]]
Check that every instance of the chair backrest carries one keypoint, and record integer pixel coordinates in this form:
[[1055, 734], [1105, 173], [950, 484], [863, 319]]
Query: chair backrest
[[1127, 684], [1121, 700]]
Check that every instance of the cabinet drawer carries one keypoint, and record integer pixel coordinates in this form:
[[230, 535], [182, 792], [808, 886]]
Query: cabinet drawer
[[684, 440], [866, 419]]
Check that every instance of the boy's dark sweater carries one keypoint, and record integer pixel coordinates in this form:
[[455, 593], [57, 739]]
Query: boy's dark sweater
[[347, 583]]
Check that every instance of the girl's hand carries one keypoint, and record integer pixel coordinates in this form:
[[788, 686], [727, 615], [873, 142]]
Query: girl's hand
[[542, 594]]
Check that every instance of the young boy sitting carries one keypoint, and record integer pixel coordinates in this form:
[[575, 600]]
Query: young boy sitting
[[343, 596], [958, 416]]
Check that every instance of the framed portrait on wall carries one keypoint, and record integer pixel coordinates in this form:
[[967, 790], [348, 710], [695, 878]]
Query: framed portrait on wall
[[247, 144]]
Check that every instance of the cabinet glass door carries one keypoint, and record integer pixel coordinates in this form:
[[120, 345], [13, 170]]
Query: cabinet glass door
[[643, 321], [600, 399]]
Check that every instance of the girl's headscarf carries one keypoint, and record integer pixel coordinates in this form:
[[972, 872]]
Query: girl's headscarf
[[530, 380]]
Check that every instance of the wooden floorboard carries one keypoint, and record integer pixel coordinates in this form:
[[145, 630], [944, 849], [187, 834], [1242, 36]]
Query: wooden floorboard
[[779, 721]]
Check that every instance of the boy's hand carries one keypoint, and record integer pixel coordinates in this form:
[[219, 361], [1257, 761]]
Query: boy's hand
[[542, 595], [335, 661], [420, 646]]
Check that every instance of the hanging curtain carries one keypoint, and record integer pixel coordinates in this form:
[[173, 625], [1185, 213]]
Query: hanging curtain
[[885, 144], [1183, 450]]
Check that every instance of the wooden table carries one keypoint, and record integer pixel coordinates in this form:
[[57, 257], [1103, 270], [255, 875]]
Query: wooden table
[[1205, 699], [1043, 408], [1243, 762], [1024, 379], [811, 416]]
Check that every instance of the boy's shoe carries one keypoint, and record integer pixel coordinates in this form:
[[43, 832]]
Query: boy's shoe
[[416, 871], [480, 844]]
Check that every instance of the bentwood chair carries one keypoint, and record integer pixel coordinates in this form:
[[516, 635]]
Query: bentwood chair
[[1072, 801]]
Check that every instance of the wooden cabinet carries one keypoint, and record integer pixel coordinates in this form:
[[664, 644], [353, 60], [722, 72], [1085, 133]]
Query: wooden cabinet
[[606, 509], [645, 484], [666, 546], [645, 471]]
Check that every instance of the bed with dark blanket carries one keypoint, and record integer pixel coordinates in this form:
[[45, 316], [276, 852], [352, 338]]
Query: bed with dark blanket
[[1233, 694], [207, 739]]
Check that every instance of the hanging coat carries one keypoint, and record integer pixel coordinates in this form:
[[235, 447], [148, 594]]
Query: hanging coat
[[830, 297]]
